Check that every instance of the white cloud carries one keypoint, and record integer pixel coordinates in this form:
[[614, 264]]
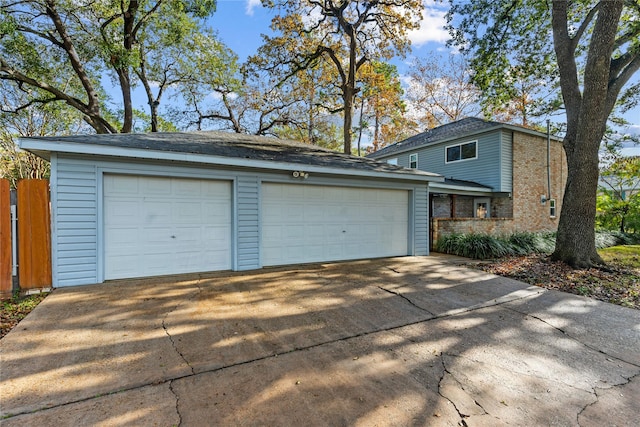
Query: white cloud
[[218, 96], [431, 28], [251, 5], [630, 151], [633, 129]]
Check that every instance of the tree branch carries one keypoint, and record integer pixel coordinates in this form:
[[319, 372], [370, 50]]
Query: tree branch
[[584, 25]]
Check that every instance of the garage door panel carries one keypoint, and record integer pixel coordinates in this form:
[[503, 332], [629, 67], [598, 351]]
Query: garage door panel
[[315, 231], [314, 214], [338, 223], [160, 225], [189, 188], [122, 211], [156, 186], [120, 184], [124, 235]]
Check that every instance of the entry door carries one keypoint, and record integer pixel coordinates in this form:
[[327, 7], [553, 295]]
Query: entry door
[[309, 223], [157, 226]]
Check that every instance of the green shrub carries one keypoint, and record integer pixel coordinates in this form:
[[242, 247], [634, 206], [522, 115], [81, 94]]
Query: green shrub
[[605, 238], [477, 246], [524, 243], [485, 246]]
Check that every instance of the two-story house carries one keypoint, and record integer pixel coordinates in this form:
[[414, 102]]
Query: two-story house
[[499, 178]]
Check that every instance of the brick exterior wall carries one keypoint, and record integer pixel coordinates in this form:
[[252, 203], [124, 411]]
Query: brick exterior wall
[[441, 207], [464, 207], [501, 207], [530, 182], [447, 226]]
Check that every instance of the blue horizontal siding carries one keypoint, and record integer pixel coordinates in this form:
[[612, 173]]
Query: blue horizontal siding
[[76, 223], [506, 162], [248, 223], [421, 221], [492, 167]]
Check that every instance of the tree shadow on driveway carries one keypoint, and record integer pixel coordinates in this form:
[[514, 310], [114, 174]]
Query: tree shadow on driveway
[[406, 341]]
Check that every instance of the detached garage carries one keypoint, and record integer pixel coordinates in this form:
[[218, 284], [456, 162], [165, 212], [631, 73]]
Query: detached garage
[[140, 205]]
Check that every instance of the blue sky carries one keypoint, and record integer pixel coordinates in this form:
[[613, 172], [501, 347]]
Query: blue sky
[[240, 23]]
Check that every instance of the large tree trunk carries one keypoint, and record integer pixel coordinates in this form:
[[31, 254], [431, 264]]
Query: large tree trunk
[[575, 242], [587, 114]]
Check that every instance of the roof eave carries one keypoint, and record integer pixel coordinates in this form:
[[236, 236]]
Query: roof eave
[[45, 148], [460, 189], [467, 135]]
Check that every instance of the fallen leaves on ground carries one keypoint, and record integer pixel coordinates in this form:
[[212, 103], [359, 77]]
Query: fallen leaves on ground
[[614, 283], [16, 309]]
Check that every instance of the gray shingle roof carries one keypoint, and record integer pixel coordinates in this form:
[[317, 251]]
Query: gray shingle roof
[[452, 130], [222, 144], [464, 183]]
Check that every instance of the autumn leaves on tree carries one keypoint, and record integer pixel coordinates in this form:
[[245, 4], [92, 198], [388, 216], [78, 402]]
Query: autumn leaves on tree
[[324, 75]]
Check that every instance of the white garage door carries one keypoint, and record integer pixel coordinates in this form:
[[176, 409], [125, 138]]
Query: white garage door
[[156, 226], [309, 223]]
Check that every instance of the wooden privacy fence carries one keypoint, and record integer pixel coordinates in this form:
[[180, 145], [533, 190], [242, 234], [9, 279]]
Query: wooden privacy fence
[[33, 237], [6, 258]]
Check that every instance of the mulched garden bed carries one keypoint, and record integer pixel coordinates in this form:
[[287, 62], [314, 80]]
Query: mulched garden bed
[[615, 283]]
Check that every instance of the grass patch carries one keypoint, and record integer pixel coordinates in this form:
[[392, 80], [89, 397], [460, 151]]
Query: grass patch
[[14, 310], [627, 255]]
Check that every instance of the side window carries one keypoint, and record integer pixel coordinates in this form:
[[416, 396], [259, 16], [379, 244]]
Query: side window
[[464, 151], [413, 161], [393, 161], [453, 153], [552, 208]]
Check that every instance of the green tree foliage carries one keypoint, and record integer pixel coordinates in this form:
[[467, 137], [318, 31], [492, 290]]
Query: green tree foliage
[[618, 203], [382, 109], [50, 119], [58, 51], [342, 33], [594, 51]]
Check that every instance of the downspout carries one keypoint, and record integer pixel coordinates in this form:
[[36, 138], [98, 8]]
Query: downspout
[[548, 159]]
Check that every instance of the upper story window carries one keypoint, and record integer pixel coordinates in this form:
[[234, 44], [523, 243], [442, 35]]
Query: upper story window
[[393, 161], [413, 161], [464, 151]]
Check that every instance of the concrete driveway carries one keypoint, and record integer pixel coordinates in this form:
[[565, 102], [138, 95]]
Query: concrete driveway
[[390, 342]]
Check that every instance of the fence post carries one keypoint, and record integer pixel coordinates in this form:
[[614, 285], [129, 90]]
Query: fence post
[[34, 235], [6, 282]]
